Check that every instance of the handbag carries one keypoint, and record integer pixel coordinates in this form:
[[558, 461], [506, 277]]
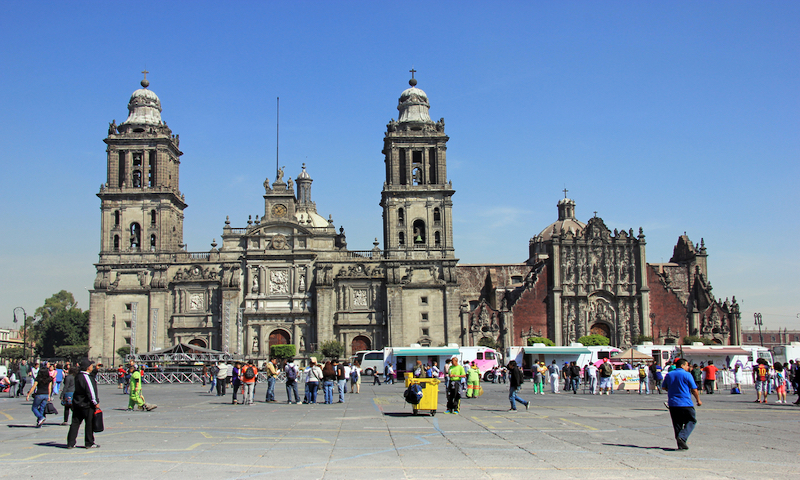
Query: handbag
[[97, 425], [66, 400], [50, 409]]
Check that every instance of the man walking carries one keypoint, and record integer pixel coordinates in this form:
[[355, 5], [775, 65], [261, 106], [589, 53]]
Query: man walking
[[22, 375], [574, 377], [516, 380], [644, 380], [222, 376], [681, 388], [84, 404], [272, 376], [455, 373]]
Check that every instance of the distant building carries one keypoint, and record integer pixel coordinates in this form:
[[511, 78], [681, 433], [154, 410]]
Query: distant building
[[9, 338], [772, 338], [582, 278]]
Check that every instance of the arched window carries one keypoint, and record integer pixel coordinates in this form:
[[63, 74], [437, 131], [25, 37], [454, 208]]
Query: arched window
[[137, 179], [437, 216], [152, 217], [116, 243], [419, 232], [136, 236], [153, 243], [437, 238], [401, 216], [117, 218], [402, 238]]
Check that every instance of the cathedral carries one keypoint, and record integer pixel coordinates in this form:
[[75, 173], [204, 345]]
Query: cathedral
[[287, 276]]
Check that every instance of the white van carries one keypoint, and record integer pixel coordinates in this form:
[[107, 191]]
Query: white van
[[371, 361]]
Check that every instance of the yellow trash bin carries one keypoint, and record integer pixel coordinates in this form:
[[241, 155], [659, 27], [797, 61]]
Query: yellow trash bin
[[408, 376], [430, 395]]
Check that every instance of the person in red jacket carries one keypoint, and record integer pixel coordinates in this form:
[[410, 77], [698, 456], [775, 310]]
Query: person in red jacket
[[711, 377]]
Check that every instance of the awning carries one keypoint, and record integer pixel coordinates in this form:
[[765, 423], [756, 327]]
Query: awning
[[556, 350], [711, 351], [425, 351]]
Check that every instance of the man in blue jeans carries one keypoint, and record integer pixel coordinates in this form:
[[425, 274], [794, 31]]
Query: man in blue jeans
[[681, 388], [272, 375], [292, 373], [341, 378]]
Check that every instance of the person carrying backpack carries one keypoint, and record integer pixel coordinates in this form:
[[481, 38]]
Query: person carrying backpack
[[248, 376], [291, 381], [643, 379], [606, 370], [355, 377]]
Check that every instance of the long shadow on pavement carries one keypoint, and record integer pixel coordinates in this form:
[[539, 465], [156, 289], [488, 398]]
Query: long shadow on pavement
[[641, 447]]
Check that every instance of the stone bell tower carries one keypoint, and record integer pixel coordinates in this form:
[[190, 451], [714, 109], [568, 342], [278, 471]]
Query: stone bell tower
[[141, 203], [416, 197]]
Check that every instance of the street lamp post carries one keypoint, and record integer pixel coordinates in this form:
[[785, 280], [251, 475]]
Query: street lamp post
[[759, 323], [24, 331]]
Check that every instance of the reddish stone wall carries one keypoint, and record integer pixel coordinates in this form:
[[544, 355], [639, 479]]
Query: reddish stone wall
[[531, 310], [670, 312]]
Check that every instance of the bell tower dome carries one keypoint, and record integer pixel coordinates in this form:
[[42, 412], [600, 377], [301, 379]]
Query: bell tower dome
[[416, 197], [141, 203]]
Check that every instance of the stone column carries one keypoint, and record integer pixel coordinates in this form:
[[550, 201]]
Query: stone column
[[296, 336]]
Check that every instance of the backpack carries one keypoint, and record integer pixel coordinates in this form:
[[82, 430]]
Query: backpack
[[762, 372], [354, 374], [607, 369], [291, 372], [413, 394], [249, 374], [642, 372]]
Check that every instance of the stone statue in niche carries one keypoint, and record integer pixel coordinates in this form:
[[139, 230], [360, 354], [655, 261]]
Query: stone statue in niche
[[302, 283], [254, 289], [302, 343], [255, 344]]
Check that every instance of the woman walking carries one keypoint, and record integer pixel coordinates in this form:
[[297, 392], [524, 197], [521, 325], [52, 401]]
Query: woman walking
[[312, 381], [514, 386], [67, 390], [42, 390]]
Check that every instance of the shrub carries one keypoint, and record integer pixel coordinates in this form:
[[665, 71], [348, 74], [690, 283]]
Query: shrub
[[332, 349], [282, 351], [546, 341], [594, 339]]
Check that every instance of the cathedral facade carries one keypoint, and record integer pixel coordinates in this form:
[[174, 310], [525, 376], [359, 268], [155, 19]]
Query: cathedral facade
[[582, 279], [287, 277]]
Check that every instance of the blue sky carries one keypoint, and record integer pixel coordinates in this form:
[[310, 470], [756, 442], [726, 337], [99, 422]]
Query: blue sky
[[670, 116]]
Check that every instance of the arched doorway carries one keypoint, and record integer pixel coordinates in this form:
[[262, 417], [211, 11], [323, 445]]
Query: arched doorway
[[360, 343], [600, 329], [198, 342], [279, 337]]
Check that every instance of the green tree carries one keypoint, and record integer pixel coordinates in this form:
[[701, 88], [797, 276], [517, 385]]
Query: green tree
[[282, 351], [546, 341], [122, 352], [332, 349], [68, 327], [12, 353], [694, 338], [59, 302], [72, 353], [594, 339]]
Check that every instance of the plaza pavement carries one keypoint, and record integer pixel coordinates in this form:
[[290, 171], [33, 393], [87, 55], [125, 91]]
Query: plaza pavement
[[373, 436]]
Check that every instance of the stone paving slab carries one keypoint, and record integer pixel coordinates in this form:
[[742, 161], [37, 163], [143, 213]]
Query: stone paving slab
[[374, 436]]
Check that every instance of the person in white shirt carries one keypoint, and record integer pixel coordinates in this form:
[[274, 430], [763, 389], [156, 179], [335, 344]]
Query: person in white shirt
[[591, 373]]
